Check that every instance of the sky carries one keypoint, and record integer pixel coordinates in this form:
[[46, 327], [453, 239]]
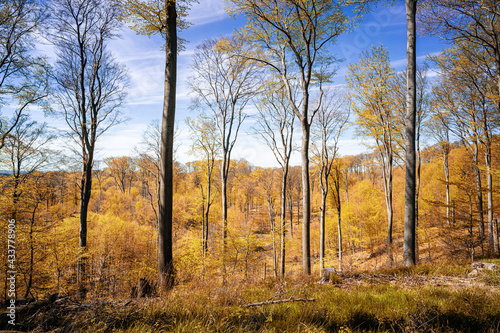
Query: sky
[[145, 62]]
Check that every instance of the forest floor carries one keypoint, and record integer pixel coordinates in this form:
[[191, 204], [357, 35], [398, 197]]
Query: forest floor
[[446, 297]]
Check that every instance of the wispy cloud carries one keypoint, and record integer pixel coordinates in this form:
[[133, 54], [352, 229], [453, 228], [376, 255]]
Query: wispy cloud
[[207, 11]]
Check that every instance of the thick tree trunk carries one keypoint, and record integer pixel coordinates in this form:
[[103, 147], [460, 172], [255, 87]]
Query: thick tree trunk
[[165, 218], [85, 192], [306, 200], [409, 257]]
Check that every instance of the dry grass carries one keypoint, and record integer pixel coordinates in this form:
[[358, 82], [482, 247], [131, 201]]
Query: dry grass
[[384, 302]]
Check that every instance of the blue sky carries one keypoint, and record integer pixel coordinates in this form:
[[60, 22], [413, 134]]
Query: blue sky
[[145, 63]]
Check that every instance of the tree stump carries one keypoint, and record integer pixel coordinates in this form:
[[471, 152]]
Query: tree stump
[[329, 275], [144, 288], [480, 266], [484, 265]]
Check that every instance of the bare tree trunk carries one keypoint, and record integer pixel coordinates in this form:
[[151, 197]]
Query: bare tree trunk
[[165, 256], [306, 200], [387, 173], [224, 213], [322, 232], [283, 218], [85, 192], [447, 179], [290, 211], [495, 235], [409, 257], [479, 187], [489, 177]]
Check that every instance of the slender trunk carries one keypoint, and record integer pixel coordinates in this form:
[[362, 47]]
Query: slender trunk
[[339, 215], [417, 196], [203, 221], [224, 213], [306, 200], [447, 179], [273, 234], [387, 173], [205, 230], [409, 257], [479, 191], [283, 217], [165, 256], [324, 194], [290, 211], [489, 179], [495, 235]]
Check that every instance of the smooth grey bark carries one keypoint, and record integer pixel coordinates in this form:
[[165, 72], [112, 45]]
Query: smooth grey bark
[[306, 200], [446, 152], [409, 253], [165, 218]]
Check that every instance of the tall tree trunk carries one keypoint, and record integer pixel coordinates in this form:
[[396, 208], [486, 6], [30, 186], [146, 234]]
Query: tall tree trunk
[[479, 188], [283, 217], [324, 194], [165, 218], [290, 210], [387, 174], [224, 213], [339, 219], [273, 234], [489, 179], [85, 192], [306, 200], [409, 257], [447, 179]]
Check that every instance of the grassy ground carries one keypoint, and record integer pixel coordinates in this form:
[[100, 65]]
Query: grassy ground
[[426, 298]]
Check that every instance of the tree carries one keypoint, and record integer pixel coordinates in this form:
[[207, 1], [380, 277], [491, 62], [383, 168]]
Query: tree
[[224, 82], [409, 253], [291, 38], [24, 154], [148, 163], [89, 84], [466, 96], [23, 76], [164, 18], [439, 126], [122, 170], [275, 126], [372, 83], [265, 181], [471, 21], [207, 144], [331, 120]]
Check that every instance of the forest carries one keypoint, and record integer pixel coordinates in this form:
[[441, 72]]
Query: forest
[[401, 238]]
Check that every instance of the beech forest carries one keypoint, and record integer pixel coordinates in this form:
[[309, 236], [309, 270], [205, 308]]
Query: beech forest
[[400, 238]]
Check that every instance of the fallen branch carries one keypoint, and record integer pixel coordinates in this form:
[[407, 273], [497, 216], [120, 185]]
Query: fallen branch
[[281, 301]]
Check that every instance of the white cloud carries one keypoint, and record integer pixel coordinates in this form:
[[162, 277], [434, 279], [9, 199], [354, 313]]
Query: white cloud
[[207, 11]]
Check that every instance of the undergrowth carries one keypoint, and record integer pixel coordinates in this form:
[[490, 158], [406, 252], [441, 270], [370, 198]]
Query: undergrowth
[[380, 307]]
